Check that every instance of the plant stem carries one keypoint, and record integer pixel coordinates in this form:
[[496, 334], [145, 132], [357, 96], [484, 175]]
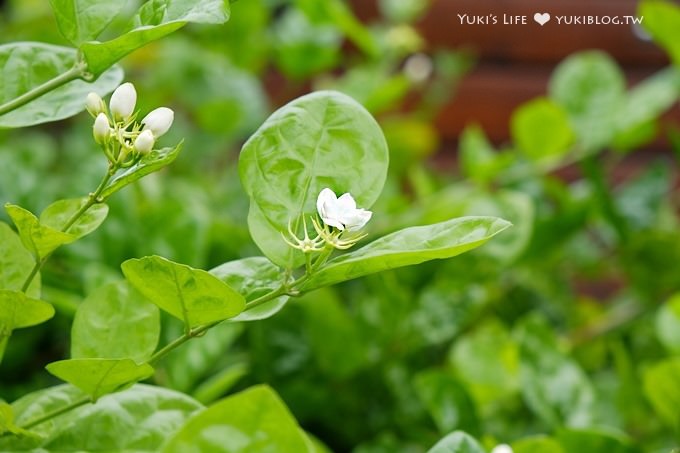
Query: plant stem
[[55, 413], [92, 199], [74, 73]]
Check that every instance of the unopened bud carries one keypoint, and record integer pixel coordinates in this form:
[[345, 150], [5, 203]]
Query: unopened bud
[[158, 121], [144, 142], [123, 101], [101, 129], [94, 104]]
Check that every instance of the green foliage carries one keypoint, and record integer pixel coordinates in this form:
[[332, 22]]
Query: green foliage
[[193, 296], [541, 129], [662, 21], [15, 262], [253, 277], [324, 139], [150, 163], [457, 442], [26, 65], [410, 246], [154, 20], [138, 419], [660, 385], [98, 377], [255, 420], [115, 322], [84, 20]]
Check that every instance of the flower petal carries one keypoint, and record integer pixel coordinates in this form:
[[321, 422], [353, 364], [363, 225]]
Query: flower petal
[[333, 222], [326, 198], [358, 219]]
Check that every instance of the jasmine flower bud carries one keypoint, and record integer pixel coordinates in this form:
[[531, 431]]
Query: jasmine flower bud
[[101, 129], [144, 142], [94, 104], [158, 121], [123, 101]]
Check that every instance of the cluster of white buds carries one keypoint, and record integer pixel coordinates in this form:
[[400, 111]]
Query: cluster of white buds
[[121, 136], [340, 219]]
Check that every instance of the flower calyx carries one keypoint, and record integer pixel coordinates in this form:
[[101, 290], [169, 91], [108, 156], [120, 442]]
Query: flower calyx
[[306, 244]]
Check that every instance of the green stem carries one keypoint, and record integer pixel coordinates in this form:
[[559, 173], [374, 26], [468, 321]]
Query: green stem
[[74, 73], [55, 413], [91, 200]]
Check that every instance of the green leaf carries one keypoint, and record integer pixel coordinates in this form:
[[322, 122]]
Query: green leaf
[[409, 246], [591, 88], [662, 21], [16, 263], [138, 419], [98, 377], [58, 214], [532, 444], [193, 296], [115, 322], [447, 401], [668, 324], [26, 65], [487, 362], [255, 420], [541, 129], [478, 159], [18, 311], [41, 240], [457, 442], [323, 139], [587, 440], [155, 19], [253, 277], [150, 163], [84, 20], [661, 388], [545, 368], [220, 383], [43, 236]]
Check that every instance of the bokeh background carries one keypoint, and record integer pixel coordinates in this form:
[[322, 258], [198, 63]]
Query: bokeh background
[[563, 331]]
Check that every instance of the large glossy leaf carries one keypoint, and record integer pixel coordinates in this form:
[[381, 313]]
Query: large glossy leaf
[[193, 296], [150, 163], [591, 88], [324, 139], [255, 420], [253, 277], [26, 65], [662, 21], [16, 263], [409, 246], [154, 20], [533, 444], [457, 442], [138, 419], [98, 377], [115, 322], [84, 20]]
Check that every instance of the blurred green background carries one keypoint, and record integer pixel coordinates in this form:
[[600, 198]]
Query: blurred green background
[[562, 331]]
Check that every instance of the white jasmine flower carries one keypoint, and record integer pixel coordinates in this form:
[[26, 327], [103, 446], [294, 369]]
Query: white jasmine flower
[[123, 101], [94, 104], [502, 448], [341, 213], [158, 121], [101, 129], [144, 142]]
